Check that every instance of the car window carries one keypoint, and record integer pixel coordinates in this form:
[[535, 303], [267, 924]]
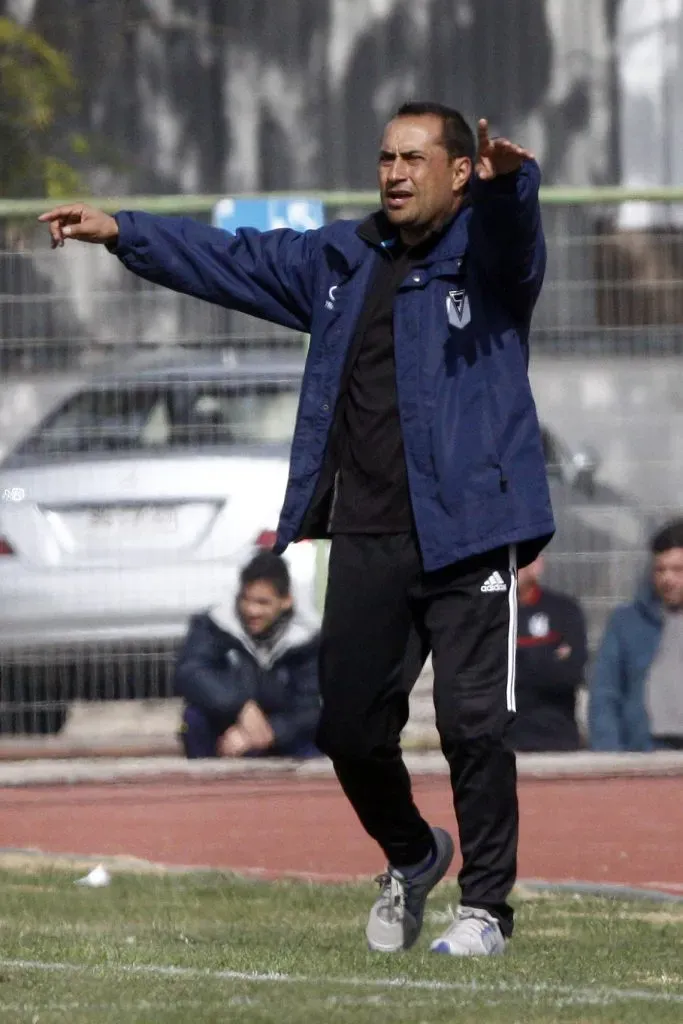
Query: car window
[[102, 419], [261, 414], [154, 418]]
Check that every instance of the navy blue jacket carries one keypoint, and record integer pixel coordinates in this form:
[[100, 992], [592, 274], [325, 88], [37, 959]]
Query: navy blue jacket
[[617, 716], [219, 669], [472, 443]]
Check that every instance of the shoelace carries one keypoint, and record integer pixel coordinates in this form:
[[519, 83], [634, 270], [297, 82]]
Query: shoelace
[[391, 903], [469, 921]]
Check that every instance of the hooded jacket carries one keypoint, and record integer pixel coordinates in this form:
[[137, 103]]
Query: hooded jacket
[[617, 715], [219, 668]]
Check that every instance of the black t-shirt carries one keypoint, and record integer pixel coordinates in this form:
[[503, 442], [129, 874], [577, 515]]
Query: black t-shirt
[[363, 483], [371, 486]]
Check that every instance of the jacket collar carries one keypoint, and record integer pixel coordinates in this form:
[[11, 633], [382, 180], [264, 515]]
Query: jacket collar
[[532, 598], [375, 231], [648, 602], [298, 631]]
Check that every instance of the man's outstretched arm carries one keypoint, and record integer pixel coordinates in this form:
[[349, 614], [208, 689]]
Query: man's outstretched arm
[[266, 274]]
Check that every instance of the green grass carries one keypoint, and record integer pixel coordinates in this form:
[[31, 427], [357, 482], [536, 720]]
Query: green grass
[[573, 960]]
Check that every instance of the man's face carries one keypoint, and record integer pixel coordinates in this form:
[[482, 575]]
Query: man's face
[[259, 606], [420, 185], [668, 577]]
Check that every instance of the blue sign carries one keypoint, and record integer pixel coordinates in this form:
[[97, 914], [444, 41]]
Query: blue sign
[[295, 212]]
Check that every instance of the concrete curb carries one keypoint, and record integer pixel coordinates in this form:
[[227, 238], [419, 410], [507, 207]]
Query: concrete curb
[[539, 767], [604, 890], [56, 748]]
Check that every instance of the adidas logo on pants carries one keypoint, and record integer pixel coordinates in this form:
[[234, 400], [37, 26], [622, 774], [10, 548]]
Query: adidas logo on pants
[[494, 584]]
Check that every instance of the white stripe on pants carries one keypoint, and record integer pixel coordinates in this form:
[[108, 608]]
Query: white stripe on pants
[[512, 632]]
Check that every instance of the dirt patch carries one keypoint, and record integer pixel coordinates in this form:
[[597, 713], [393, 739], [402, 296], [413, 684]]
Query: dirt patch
[[30, 862], [653, 916], [547, 933]]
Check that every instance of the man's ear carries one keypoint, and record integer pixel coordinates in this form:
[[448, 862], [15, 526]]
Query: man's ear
[[462, 172], [287, 603]]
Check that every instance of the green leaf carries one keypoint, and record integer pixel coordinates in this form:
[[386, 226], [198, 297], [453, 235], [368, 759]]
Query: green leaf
[[60, 180], [37, 88]]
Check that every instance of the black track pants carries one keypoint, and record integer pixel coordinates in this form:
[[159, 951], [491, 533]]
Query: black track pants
[[383, 615]]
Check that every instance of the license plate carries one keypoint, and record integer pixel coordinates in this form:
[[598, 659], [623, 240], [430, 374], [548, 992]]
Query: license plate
[[163, 520]]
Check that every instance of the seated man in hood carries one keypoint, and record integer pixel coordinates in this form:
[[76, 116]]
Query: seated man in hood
[[636, 694], [249, 672]]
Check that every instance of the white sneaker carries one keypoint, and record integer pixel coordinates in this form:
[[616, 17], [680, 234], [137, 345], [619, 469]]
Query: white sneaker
[[473, 932]]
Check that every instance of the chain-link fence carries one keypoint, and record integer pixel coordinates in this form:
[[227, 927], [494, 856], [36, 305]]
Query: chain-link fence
[[160, 460]]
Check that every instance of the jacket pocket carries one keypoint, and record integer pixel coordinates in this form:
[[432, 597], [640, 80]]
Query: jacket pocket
[[494, 445]]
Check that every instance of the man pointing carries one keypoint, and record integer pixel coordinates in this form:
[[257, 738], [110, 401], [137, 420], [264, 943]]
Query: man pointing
[[417, 450]]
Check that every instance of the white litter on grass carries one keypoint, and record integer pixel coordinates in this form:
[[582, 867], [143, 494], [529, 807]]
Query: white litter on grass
[[97, 878], [565, 995]]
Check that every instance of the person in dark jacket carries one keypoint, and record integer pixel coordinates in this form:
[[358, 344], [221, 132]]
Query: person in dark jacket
[[417, 449], [248, 671], [551, 658], [636, 690]]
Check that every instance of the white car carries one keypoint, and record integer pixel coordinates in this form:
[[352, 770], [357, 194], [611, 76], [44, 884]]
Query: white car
[[138, 499], [134, 504]]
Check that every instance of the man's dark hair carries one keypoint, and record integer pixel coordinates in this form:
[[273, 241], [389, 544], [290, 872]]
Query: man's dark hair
[[458, 137], [670, 536], [271, 569]]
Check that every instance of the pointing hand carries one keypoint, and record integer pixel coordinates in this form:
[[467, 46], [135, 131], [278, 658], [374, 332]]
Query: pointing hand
[[81, 222]]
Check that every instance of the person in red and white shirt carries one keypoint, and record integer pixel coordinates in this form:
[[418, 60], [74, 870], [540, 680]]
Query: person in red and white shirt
[[551, 659]]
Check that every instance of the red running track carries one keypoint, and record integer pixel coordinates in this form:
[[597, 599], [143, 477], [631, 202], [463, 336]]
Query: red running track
[[626, 831]]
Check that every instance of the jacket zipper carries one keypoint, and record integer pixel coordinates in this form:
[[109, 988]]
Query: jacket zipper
[[333, 503]]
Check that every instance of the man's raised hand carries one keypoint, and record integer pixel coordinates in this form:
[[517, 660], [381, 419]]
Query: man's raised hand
[[81, 222], [497, 156]]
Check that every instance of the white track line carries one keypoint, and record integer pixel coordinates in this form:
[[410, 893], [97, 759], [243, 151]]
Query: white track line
[[593, 995]]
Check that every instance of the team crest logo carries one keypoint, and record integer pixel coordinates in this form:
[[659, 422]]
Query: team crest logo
[[458, 308], [539, 625]]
